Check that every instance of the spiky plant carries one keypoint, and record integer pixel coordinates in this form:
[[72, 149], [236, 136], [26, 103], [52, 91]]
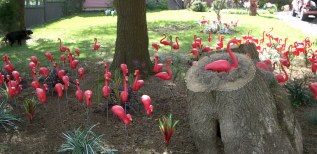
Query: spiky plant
[[299, 94], [7, 119], [167, 127], [83, 141], [29, 106]]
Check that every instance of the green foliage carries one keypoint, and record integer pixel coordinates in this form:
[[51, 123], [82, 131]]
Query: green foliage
[[73, 6], [199, 6], [83, 141], [8, 15], [243, 11], [156, 5], [272, 8], [299, 94], [279, 3], [29, 106], [167, 127], [7, 119], [217, 6]]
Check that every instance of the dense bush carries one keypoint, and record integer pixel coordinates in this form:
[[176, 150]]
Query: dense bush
[[279, 3], [8, 16], [73, 6], [156, 5], [199, 6], [272, 8], [299, 94]]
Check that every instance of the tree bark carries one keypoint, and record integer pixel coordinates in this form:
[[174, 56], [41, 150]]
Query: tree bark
[[132, 36], [20, 4], [241, 111]]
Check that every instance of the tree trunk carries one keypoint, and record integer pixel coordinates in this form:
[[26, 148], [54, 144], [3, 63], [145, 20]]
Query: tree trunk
[[239, 111], [20, 4], [132, 36]]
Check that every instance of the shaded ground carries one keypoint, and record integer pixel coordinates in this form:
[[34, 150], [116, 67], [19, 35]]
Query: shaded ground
[[44, 134]]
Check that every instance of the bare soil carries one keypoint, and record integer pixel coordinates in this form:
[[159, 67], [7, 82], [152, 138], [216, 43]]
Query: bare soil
[[44, 133]]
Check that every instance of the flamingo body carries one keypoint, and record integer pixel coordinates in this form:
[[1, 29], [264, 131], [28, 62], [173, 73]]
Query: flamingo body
[[146, 100], [81, 72], [155, 46], [119, 111], [88, 96], [59, 89], [313, 88], [165, 75]]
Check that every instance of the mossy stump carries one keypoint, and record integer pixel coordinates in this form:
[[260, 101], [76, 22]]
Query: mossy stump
[[241, 111]]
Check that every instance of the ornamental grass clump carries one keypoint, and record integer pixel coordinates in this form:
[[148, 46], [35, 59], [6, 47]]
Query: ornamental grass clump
[[83, 141], [7, 119], [299, 94], [167, 127]]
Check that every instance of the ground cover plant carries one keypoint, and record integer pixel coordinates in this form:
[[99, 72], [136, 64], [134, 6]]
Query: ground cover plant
[[58, 115]]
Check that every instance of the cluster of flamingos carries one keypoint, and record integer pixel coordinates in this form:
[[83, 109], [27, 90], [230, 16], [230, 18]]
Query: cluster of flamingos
[[286, 53]]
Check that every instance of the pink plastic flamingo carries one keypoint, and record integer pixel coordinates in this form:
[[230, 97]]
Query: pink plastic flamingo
[[137, 84], [166, 43], [96, 45], [41, 93], [44, 71], [155, 46], [165, 75], [119, 111], [62, 48], [49, 56], [88, 96], [124, 94], [146, 100], [176, 45], [157, 66], [81, 72], [224, 65], [280, 78], [79, 92]]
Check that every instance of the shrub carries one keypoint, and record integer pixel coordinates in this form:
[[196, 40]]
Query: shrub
[[199, 6], [8, 15], [73, 6], [299, 94], [83, 141], [272, 8], [156, 5], [7, 119]]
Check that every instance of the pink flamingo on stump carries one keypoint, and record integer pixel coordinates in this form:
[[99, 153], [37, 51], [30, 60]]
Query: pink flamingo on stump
[[41, 93], [96, 45], [137, 84], [165, 75], [79, 92], [280, 78], [155, 46], [224, 65], [157, 66], [313, 88], [62, 48], [164, 42], [146, 100]]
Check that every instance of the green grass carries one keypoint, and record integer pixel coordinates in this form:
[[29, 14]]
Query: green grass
[[78, 31]]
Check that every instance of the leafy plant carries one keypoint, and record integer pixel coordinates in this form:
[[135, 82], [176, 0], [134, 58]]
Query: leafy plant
[[199, 6], [156, 5], [7, 119], [299, 94], [167, 127], [272, 8], [84, 141], [29, 106], [8, 15], [217, 6]]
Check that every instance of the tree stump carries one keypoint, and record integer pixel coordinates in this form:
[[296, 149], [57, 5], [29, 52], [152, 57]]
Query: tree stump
[[242, 111]]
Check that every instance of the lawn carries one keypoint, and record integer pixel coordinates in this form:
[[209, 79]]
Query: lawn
[[44, 133]]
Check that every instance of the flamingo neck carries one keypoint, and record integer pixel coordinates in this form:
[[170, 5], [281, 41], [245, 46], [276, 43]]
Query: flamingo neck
[[164, 37], [176, 39], [234, 59], [135, 80], [60, 43], [155, 60], [125, 84], [285, 73]]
